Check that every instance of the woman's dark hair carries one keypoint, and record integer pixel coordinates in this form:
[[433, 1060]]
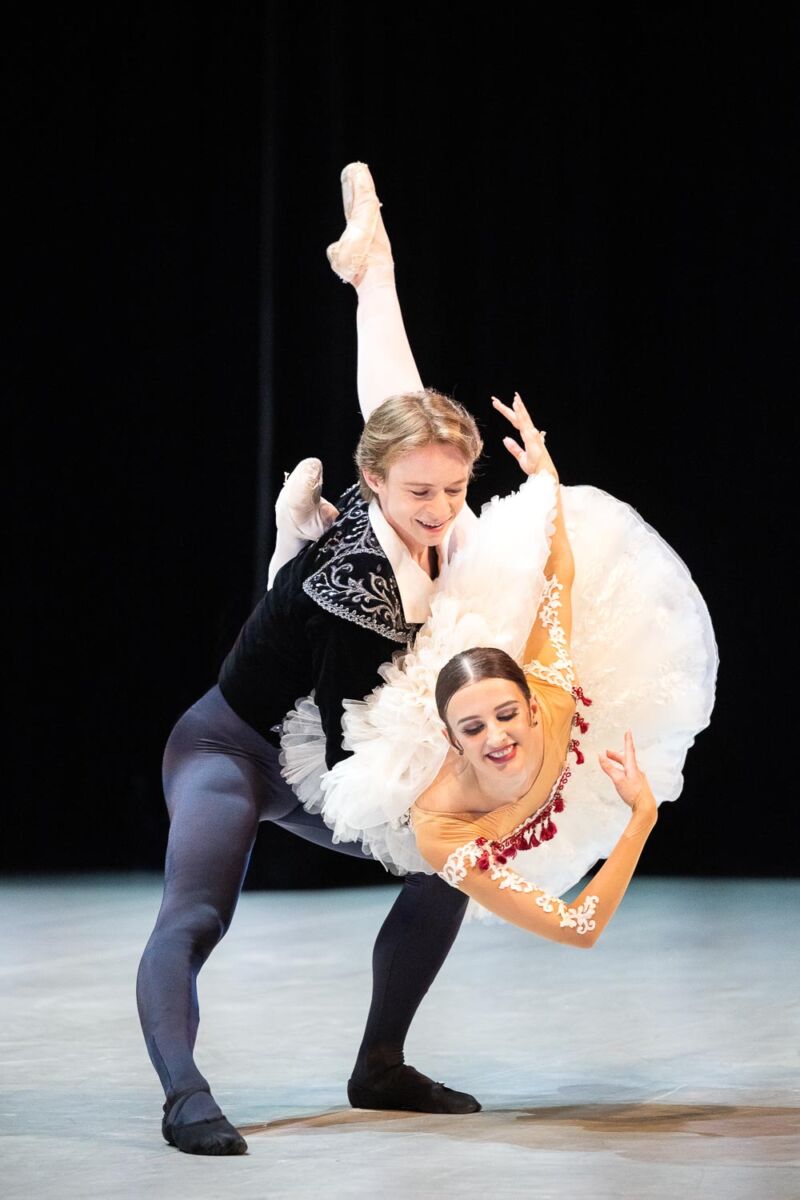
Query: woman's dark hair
[[471, 666]]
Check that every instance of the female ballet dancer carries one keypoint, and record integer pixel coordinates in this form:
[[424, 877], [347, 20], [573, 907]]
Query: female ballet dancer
[[647, 656], [472, 731], [333, 614]]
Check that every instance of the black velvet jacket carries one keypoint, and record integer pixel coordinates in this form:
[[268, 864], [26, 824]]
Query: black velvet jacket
[[332, 617]]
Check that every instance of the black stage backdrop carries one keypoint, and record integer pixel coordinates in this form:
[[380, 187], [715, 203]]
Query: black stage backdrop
[[593, 209]]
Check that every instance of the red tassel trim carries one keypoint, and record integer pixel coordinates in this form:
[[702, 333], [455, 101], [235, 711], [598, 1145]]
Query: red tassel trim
[[537, 829]]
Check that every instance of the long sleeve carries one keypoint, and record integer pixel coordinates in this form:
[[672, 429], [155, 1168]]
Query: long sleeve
[[542, 645], [494, 884]]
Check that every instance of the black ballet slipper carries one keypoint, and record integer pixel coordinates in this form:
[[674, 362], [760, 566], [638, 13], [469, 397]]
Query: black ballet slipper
[[214, 1135], [401, 1088]]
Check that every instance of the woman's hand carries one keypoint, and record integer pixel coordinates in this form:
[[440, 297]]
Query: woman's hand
[[630, 781], [530, 452]]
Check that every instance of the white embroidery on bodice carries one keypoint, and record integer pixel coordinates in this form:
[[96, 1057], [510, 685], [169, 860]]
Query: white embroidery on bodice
[[490, 856]]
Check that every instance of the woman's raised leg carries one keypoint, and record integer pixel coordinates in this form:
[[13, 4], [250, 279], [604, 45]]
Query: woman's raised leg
[[363, 257], [386, 367]]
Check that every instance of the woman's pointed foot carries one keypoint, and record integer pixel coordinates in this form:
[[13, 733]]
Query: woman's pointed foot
[[364, 241], [301, 506], [212, 1135]]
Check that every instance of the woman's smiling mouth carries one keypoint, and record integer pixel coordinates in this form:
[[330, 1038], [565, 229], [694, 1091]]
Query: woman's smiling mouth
[[504, 755]]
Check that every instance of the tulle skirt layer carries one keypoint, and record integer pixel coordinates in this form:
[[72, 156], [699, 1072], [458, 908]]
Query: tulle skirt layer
[[642, 645]]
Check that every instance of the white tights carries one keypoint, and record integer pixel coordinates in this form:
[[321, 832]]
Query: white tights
[[386, 367]]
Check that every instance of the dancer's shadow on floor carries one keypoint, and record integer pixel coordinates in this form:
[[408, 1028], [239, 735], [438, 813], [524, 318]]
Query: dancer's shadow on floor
[[635, 1129], [529, 1125]]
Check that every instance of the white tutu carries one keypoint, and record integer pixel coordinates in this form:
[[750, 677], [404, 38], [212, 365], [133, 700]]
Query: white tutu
[[643, 649]]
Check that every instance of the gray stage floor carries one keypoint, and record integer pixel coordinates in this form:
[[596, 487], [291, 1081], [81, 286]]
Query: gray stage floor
[[661, 1064]]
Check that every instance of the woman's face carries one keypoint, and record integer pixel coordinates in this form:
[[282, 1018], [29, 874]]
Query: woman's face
[[501, 734], [423, 493]]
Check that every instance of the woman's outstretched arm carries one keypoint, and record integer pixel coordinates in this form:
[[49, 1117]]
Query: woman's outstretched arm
[[496, 886], [533, 457]]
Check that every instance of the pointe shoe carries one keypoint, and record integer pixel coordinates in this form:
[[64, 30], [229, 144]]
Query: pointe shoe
[[300, 504], [364, 240]]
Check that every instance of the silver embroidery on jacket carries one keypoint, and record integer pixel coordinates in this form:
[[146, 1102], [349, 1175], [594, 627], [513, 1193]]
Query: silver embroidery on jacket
[[353, 578]]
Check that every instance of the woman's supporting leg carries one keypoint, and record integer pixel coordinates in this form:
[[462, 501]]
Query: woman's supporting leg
[[363, 257]]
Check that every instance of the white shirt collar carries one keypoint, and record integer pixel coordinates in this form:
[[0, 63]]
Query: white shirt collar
[[415, 585]]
